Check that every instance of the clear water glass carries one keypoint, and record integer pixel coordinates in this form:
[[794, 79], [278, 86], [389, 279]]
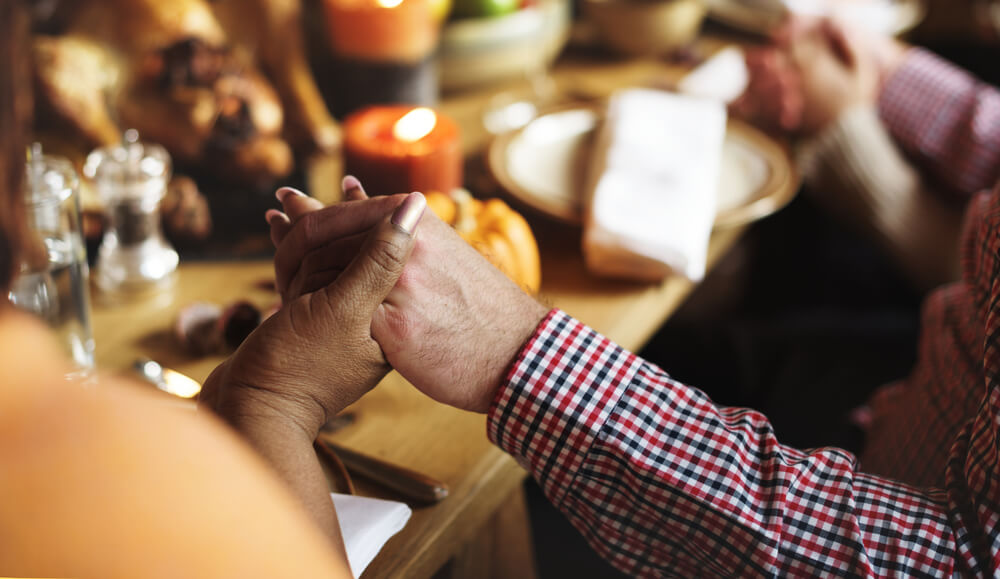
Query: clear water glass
[[53, 281]]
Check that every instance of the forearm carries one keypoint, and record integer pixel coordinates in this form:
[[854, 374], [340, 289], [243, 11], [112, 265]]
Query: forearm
[[858, 174], [286, 443], [660, 480]]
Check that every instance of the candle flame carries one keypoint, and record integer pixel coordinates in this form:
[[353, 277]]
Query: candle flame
[[389, 3], [415, 125]]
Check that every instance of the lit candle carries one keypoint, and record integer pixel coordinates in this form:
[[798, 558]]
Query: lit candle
[[397, 149], [382, 51], [381, 30]]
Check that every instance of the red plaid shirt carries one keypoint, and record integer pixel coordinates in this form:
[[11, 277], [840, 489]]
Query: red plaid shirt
[[950, 122], [663, 482]]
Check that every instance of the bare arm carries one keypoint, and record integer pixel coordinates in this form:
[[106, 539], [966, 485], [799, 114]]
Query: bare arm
[[121, 482], [314, 357]]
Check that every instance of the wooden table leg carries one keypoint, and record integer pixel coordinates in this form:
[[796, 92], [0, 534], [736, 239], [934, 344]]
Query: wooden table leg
[[502, 549]]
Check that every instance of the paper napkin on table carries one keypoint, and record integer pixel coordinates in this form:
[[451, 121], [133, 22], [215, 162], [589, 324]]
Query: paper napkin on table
[[723, 77], [366, 525], [652, 190]]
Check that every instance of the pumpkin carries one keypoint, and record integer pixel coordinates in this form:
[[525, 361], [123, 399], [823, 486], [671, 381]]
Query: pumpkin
[[498, 232]]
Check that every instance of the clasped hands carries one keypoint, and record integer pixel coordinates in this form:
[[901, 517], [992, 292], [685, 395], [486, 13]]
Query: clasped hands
[[368, 285], [811, 72]]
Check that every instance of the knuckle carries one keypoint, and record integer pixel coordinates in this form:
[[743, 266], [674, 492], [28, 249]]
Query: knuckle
[[309, 228]]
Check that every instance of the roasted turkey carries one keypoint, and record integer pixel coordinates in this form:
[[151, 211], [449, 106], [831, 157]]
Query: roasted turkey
[[222, 85]]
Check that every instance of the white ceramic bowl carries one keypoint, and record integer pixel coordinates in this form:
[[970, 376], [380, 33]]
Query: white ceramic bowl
[[480, 51]]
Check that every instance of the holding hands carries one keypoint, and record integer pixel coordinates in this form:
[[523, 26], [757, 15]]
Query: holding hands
[[368, 285], [316, 354], [815, 70], [451, 325]]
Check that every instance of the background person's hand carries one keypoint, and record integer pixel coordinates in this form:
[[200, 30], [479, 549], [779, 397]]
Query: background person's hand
[[453, 323], [815, 69], [773, 97], [837, 70]]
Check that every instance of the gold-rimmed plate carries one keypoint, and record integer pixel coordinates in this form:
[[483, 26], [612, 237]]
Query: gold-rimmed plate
[[544, 166], [893, 17]]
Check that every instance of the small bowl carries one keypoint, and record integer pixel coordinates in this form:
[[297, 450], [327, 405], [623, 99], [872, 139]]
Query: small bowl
[[645, 27], [481, 51]]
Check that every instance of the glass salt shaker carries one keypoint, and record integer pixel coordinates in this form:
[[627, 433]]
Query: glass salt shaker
[[131, 178], [53, 281]]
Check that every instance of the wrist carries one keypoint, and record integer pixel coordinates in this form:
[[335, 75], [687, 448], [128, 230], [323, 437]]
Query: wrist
[[251, 408], [521, 335], [890, 55]]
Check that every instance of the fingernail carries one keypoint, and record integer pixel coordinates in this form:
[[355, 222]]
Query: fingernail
[[350, 183], [273, 215], [407, 215], [284, 192]]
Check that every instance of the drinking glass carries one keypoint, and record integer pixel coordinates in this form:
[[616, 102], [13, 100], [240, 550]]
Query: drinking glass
[[53, 281], [513, 109]]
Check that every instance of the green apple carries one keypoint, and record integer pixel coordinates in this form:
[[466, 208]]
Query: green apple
[[484, 8]]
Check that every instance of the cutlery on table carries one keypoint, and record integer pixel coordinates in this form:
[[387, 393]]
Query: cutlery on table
[[170, 381], [410, 484]]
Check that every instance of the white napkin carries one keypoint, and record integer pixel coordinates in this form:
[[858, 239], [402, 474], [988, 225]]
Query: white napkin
[[366, 525], [652, 191], [723, 77]]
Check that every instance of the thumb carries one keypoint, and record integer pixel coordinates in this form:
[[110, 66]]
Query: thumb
[[373, 273]]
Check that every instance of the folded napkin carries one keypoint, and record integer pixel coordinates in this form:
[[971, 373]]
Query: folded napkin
[[723, 77], [652, 189], [366, 525]]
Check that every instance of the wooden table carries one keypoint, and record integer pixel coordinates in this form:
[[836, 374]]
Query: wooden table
[[399, 424]]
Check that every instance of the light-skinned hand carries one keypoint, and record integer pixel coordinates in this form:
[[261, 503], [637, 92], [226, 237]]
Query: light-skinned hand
[[453, 323], [884, 52], [814, 70], [773, 97], [835, 74]]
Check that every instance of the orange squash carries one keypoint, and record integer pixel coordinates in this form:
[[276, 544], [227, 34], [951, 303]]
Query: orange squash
[[498, 232]]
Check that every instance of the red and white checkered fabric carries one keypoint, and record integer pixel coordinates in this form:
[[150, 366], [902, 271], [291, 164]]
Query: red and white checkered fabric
[[663, 482]]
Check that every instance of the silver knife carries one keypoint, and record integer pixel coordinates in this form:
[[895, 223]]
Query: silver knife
[[170, 381]]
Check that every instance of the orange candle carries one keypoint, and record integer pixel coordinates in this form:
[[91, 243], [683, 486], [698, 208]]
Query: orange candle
[[381, 30], [399, 148]]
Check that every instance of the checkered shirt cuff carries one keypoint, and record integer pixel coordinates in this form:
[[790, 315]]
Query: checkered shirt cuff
[[540, 416]]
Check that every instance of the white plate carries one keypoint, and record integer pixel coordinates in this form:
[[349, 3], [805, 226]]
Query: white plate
[[762, 16], [544, 166]]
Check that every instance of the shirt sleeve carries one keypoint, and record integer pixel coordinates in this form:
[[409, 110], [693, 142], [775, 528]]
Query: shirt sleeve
[[946, 119], [662, 482]]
